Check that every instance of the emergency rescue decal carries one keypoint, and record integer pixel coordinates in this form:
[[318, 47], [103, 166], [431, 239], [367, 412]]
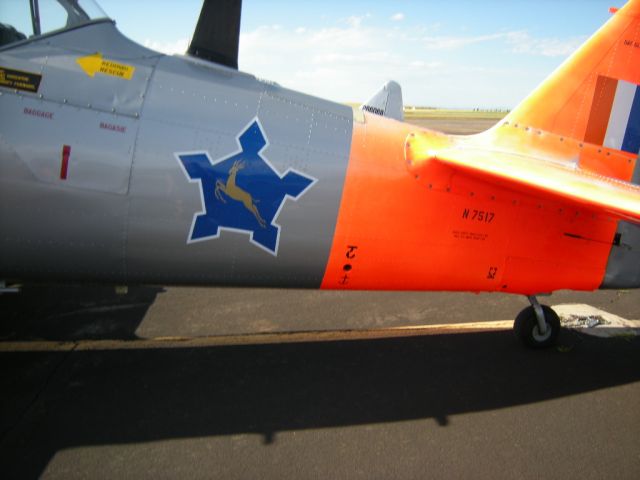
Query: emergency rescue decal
[[19, 80], [92, 64], [242, 192]]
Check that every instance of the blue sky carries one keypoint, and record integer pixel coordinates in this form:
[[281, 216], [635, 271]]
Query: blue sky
[[466, 53]]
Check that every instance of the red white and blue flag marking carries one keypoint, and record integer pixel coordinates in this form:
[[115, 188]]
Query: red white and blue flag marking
[[614, 120]]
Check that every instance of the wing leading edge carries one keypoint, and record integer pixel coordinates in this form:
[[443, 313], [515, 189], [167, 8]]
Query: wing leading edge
[[545, 178]]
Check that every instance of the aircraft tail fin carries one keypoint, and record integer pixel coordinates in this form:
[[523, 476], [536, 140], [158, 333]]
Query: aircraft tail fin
[[387, 102], [594, 96]]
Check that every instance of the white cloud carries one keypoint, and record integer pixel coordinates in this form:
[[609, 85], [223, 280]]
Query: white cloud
[[522, 42], [356, 20], [350, 60], [450, 42], [170, 48], [519, 41], [423, 64], [397, 17]]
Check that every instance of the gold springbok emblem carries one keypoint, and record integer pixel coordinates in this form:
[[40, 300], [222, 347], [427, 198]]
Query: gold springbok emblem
[[231, 190]]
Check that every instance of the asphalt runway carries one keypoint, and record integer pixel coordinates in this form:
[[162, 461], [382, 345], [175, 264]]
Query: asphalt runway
[[212, 383]]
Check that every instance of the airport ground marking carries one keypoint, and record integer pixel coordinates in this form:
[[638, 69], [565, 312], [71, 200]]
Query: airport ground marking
[[611, 326]]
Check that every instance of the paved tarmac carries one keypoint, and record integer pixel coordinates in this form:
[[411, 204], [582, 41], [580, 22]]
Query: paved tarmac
[[97, 312], [444, 405], [159, 383]]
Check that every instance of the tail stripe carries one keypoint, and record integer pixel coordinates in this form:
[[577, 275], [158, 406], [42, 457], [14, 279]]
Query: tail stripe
[[614, 119], [601, 110], [620, 115], [631, 141]]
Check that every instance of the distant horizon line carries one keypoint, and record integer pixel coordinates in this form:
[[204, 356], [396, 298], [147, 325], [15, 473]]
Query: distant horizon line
[[428, 107]]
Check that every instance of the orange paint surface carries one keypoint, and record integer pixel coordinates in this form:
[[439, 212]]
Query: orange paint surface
[[446, 230], [530, 206], [562, 104], [600, 110]]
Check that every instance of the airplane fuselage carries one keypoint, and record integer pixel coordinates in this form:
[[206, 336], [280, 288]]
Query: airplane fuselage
[[135, 167]]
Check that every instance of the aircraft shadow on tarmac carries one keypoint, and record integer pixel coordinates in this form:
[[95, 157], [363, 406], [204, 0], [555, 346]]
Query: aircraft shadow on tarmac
[[74, 312], [105, 397]]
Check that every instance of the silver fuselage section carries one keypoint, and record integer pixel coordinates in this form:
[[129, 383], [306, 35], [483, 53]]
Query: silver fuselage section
[[123, 211]]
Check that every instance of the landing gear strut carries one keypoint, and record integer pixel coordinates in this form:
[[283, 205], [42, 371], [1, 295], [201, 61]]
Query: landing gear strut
[[537, 326]]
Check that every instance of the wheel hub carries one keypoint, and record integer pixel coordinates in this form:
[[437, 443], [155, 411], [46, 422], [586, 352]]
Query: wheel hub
[[541, 337]]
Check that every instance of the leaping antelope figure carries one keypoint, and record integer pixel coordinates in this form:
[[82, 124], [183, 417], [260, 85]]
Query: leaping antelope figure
[[231, 190]]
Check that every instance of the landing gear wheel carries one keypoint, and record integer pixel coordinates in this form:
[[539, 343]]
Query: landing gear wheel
[[527, 330]]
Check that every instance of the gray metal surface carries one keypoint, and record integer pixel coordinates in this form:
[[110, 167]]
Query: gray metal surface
[[124, 212], [623, 267], [55, 57], [193, 106], [387, 102], [73, 228], [100, 158]]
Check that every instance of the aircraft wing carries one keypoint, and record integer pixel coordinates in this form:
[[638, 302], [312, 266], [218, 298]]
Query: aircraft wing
[[543, 177]]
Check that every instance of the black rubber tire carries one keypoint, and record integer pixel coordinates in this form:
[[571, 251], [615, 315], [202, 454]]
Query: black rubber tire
[[526, 327]]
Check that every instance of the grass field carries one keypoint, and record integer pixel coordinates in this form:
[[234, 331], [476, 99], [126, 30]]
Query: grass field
[[451, 120], [420, 113]]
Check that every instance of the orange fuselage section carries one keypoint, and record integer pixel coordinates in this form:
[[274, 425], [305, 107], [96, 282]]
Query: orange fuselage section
[[446, 230]]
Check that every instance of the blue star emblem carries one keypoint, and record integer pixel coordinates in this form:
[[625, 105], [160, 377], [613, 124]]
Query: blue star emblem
[[242, 192]]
